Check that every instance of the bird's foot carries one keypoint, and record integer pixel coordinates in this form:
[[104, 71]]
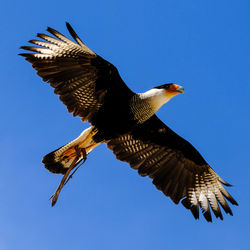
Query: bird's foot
[[80, 152]]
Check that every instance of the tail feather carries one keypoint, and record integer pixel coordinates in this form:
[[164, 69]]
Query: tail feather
[[60, 160]]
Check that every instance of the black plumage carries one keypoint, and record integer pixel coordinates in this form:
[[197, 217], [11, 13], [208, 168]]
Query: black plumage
[[92, 88]]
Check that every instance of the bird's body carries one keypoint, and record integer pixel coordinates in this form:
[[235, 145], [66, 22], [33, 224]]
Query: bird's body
[[92, 88]]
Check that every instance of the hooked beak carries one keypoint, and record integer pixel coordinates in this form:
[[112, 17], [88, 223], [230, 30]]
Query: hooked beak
[[180, 89], [174, 88]]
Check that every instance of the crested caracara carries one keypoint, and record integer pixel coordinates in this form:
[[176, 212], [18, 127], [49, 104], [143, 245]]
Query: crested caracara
[[92, 88]]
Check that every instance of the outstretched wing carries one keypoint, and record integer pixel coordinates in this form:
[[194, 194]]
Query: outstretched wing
[[176, 167], [80, 77]]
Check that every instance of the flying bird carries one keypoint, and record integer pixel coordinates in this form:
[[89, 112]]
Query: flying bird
[[92, 88]]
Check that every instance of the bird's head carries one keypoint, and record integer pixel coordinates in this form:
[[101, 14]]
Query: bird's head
[[160, 95], [171, 89]]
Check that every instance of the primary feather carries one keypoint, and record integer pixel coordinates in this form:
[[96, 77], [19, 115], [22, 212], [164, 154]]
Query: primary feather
[[92, 88]]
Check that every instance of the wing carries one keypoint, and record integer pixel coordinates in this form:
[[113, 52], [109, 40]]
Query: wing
[[176, 167], [80, 77]]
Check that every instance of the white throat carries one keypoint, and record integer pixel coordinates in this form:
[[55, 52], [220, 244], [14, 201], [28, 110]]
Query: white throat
[[155, 97], [144, 105]]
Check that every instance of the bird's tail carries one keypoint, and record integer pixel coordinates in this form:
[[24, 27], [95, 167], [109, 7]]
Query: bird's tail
[[61, 159]]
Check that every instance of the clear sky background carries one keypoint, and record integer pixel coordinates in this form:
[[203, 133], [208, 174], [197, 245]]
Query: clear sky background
[[202, 45]]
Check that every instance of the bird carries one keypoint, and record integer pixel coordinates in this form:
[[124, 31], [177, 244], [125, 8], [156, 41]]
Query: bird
[[125, 121]]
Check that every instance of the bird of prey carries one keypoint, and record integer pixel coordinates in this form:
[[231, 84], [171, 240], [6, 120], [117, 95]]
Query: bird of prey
[[92, 88]]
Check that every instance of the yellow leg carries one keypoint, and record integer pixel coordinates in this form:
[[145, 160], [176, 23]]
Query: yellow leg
[[87, 143], [77, 152], [64, 180]]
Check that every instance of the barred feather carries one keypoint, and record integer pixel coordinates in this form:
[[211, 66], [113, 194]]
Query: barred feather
[[175, 166]]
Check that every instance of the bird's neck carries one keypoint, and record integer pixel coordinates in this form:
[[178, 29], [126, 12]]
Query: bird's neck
[[156, 97], [144, 105]]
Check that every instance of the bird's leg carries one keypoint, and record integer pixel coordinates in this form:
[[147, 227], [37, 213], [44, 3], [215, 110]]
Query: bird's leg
[[79, 153], [84, 155]]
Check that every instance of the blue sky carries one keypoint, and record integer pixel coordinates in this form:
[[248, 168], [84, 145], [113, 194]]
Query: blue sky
[[202, 45]]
